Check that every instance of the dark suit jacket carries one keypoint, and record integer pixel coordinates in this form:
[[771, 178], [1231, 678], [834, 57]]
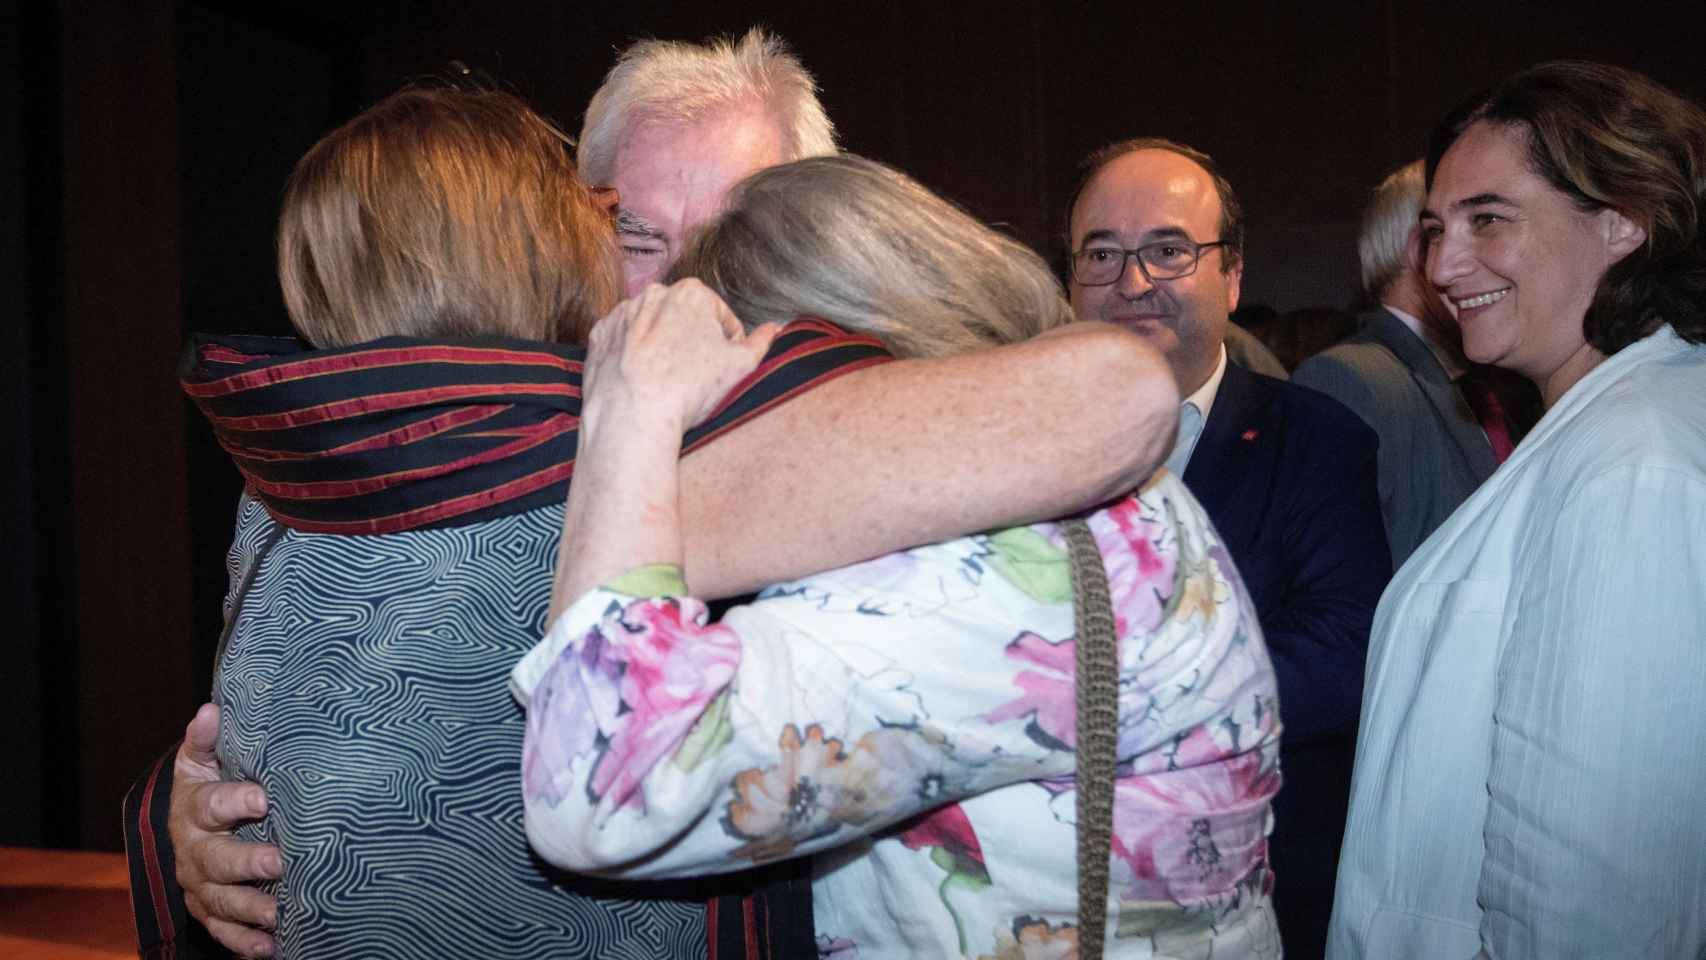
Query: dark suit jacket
[[1288, 477], [1433, 454]]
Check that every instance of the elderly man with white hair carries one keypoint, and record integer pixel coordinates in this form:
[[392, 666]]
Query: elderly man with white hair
[[676, 124]]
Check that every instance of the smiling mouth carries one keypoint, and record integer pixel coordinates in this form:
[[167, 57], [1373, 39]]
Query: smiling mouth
[[1481, 299]]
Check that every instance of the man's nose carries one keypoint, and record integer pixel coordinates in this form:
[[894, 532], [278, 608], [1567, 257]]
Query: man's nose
[[1133, 282]]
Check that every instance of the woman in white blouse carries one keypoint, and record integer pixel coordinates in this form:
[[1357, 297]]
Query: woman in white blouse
[[1530, 777], [910, 718]]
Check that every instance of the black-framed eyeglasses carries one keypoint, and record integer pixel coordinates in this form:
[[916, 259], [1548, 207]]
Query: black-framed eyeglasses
[[1161, 260]]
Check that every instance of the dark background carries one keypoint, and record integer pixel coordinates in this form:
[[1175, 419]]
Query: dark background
[[151, 140]]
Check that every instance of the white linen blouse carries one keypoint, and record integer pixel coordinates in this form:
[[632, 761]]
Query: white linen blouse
[[1531, 768]]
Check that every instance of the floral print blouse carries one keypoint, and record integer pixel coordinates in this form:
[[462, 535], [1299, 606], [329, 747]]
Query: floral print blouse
[[910, 721]]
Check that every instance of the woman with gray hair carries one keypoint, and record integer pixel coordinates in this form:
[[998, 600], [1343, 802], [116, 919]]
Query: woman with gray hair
[[1528, 776], [910, 718]]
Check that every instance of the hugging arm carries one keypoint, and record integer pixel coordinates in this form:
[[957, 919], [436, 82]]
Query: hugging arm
[[918, 451]]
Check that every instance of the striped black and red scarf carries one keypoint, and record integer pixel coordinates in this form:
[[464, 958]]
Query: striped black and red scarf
[[406, 434]]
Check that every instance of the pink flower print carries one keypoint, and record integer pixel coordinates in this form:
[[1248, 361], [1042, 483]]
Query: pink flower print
[[641, 679], [674, 669], [1195, 830], [948, 830], [575, 699], [1140, 571], [1050, 691]]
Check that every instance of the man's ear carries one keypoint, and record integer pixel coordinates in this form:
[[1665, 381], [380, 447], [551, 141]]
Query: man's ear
[[1413, 253], [1623, 236], [1234, 279]]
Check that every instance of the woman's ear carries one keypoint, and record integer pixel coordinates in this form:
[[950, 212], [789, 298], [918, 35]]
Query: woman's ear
[[1623, 236]]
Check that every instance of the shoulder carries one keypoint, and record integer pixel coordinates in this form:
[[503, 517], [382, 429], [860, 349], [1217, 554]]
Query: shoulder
[[1357, 373], [1309, 431], [1304, 407], [1650, 417], [1358, 359]]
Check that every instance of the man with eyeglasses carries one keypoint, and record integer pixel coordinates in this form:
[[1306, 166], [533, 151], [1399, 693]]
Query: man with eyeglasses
[[1287, 475]]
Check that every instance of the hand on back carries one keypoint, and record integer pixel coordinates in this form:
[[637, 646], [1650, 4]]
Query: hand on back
[[216, 869]]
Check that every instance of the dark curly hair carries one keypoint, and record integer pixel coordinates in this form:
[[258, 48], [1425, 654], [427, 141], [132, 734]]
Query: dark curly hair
[[1608, 137]]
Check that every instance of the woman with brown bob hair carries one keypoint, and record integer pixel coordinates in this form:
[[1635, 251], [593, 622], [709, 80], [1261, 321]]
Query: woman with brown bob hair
[[1528, 779], [444, 213], [403, 514]]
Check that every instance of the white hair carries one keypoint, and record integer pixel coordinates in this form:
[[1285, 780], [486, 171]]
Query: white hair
[[1392, 212], [668, 81]]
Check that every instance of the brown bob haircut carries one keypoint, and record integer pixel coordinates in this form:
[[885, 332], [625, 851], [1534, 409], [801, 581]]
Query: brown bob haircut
[[443, 212], [1609, 138]]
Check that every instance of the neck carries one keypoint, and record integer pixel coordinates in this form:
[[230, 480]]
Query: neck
[[1190, 383], [1576, 366]]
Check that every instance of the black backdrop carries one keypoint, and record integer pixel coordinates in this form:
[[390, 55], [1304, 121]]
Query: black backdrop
[[153, 138]]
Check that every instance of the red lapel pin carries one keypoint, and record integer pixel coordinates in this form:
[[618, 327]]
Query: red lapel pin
[[1249, 436]]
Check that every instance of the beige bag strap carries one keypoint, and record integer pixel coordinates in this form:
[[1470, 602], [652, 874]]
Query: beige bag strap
[[1098, 681]]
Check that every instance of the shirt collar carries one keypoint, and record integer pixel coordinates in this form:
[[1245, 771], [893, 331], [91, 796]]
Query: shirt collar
[[1203, 398], [1452, 370]]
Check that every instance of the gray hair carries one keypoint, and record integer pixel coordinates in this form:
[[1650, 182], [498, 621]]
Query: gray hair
[[865, 246], [1387, 222], [669, 81]]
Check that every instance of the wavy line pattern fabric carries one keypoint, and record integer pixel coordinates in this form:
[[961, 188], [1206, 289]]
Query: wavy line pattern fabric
[[365, 687]]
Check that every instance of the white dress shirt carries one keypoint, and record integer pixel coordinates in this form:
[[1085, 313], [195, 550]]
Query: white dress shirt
[[1529, 771], [1193, 413]]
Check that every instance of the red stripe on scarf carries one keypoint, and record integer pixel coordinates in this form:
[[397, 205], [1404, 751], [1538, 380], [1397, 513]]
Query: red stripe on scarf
[[433, 513], [402, 436], [526, 439], [810, 348], [782, 398], [363, 360], [381, 402]]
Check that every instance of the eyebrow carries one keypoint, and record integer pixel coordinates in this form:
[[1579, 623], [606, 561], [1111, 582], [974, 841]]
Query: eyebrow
[[1483, 200], [632, 225], [1159, 233], [1478, 200]]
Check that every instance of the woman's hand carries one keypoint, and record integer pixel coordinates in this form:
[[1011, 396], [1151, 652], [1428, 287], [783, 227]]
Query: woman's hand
[[655, 366], [669, 356]]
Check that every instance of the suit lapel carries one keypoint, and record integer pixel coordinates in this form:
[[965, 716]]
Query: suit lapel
[[1226, 458], [1454, 412]]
